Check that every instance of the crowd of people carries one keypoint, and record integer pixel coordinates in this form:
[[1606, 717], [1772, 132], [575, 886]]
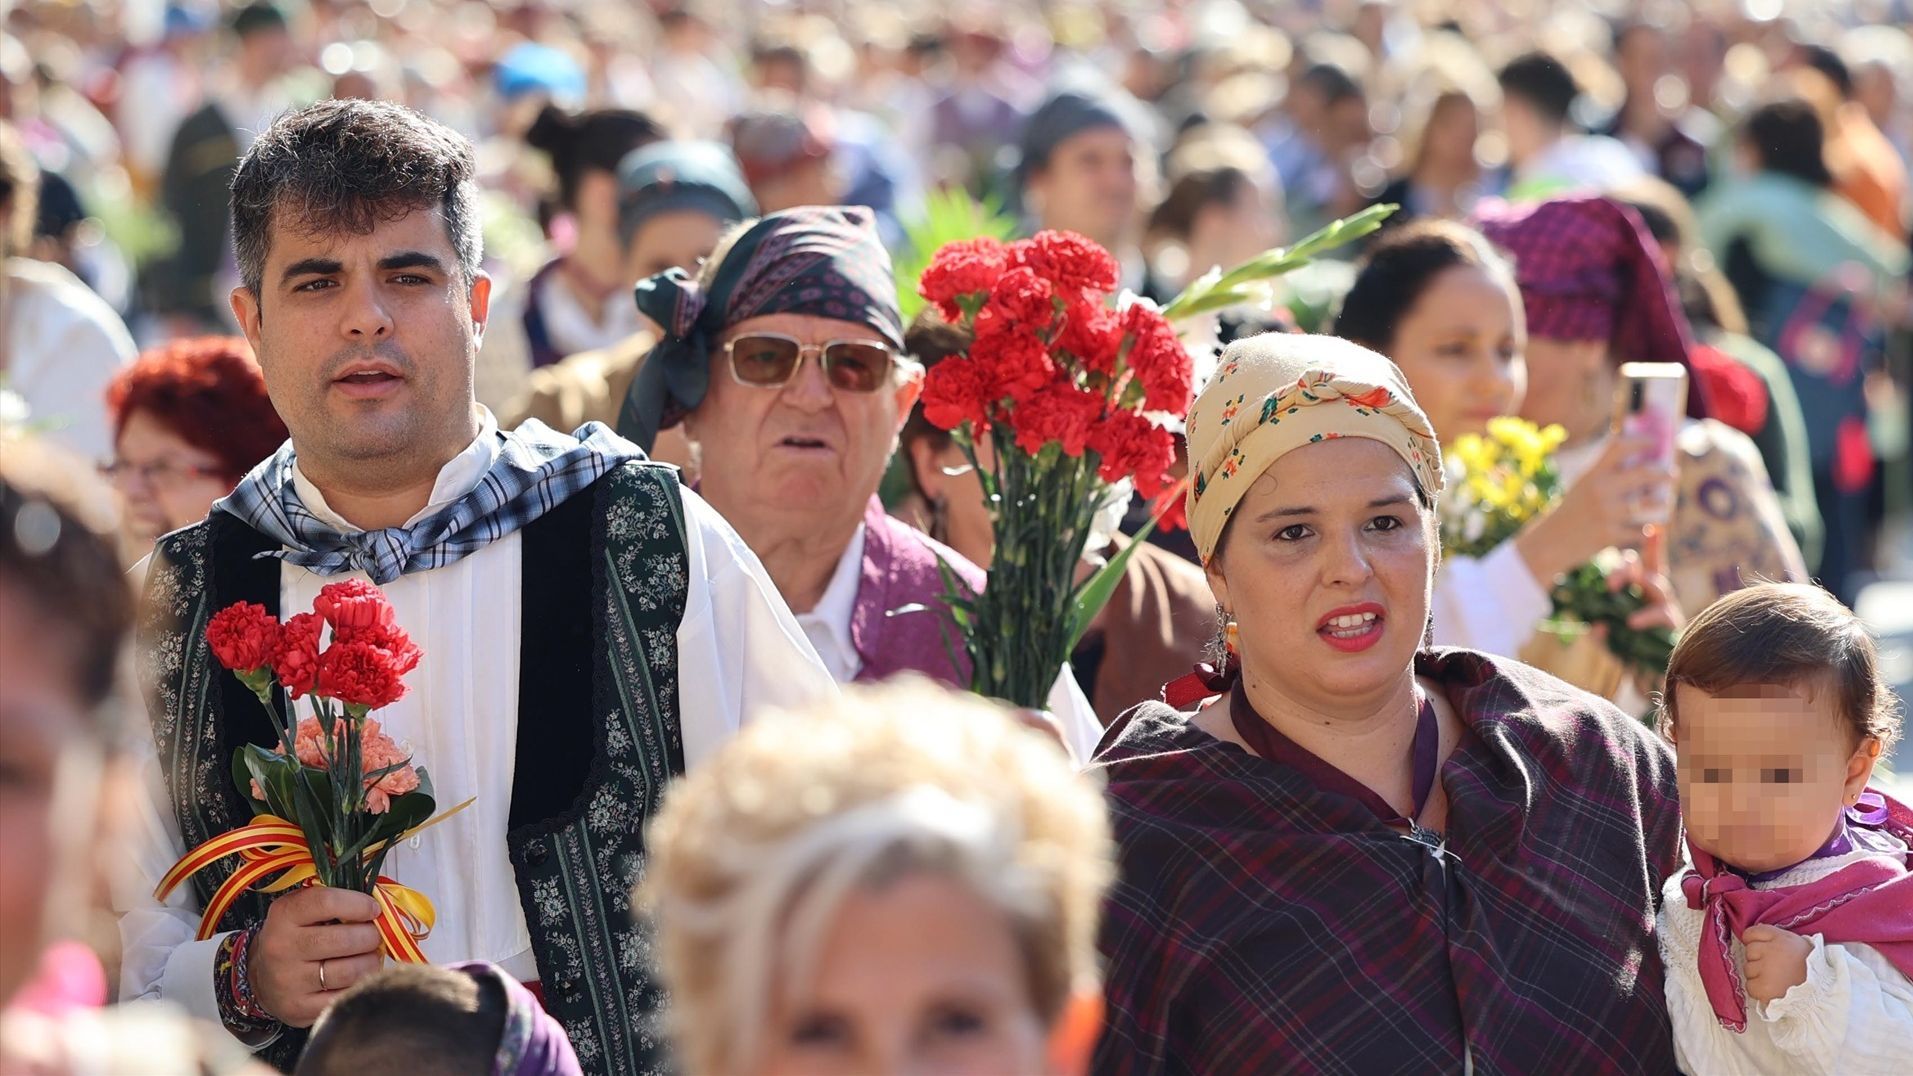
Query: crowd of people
[[589, 334]]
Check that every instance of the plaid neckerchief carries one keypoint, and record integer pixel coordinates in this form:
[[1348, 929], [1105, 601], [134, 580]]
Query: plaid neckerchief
[[537, 469]]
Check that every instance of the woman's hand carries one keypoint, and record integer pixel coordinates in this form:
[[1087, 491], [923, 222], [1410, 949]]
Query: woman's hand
[[1648, 570], [1602, 509]]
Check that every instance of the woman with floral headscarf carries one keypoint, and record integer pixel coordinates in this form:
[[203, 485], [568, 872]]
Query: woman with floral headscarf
[[1343, 851], [784, 361]]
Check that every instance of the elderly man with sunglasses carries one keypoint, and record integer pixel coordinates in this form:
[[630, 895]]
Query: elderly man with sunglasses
[[784, 360]]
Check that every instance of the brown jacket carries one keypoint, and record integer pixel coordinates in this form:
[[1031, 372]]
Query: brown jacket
[[1154, 629]]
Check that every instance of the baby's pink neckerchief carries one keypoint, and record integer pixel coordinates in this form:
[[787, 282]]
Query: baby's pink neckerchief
[[1870, 902]]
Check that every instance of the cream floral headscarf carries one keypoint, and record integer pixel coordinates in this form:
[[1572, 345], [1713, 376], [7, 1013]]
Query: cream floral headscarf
[[1277, 392]]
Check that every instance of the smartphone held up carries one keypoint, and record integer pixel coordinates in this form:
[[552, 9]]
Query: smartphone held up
[[1649, 403]]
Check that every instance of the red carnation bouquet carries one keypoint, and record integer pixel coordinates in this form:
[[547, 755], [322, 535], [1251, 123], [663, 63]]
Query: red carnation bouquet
[[1071, 397], [1063, 403], [333, 796]]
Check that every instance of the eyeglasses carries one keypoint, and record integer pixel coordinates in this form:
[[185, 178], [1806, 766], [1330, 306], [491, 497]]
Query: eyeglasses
[[770, 360], [161, 473]]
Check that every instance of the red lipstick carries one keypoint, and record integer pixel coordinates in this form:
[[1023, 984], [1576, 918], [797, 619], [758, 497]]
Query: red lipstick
[[1352, 628]]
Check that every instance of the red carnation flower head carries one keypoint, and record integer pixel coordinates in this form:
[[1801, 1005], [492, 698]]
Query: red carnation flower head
[[1024, 299], [390, 638], [353, 603], [1161, 364], [1133, 447], [296, 661], [1170, 508], [360, 674], [958, 390], [1018, 363], [243, 636], [967, 268], [1073, 263], [1093, 333], [1060, 413]]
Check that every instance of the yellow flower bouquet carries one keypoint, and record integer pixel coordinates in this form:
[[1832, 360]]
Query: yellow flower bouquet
[[1497, 483]]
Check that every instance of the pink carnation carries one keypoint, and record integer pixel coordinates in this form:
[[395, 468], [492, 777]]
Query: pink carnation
[[380, 751], [308, 743]]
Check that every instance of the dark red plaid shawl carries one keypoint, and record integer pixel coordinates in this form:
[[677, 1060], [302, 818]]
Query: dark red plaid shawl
[[1261, 925]]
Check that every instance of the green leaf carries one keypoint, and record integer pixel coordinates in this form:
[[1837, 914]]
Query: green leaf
[[1210, 293], [1582, 594], [424, 782], [948, 216], [407, 812], [244, 773], [1095, 592]]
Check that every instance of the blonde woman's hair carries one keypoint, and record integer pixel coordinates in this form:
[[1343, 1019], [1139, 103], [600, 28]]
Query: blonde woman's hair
[[753, 854]]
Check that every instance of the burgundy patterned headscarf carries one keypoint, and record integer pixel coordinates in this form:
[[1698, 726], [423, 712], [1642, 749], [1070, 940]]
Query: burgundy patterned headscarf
[[821, 260], [1588, 270], [533, 1042]]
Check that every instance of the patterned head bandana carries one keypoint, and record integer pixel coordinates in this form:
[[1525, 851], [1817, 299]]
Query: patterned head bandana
[[533, 1043], [821, 260], [1278, 392], [1581, 262]]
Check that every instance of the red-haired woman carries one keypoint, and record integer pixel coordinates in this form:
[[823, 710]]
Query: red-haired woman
[[189, 420]]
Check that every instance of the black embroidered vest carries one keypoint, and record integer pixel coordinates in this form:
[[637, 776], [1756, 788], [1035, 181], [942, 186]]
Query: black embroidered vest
[[605, 580]]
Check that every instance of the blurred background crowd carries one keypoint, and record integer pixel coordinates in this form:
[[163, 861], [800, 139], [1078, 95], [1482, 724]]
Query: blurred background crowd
[[1181, 134]]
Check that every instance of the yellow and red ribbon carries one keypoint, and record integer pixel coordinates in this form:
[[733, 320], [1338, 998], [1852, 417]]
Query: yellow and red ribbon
[[270, 845]]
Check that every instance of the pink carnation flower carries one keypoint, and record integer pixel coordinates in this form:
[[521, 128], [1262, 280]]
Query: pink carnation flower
[[377, 751]]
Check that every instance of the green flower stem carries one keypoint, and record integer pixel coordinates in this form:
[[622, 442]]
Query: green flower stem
[[1043, 510], [1227, 289]]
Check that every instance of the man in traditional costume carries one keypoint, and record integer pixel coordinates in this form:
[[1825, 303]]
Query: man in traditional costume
[[590, 629], [783, 359]]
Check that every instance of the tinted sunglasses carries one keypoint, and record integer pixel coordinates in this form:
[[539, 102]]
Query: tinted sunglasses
[[770, 360]]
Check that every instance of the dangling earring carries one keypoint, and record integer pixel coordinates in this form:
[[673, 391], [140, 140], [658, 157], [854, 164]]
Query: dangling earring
[[1232, 636]]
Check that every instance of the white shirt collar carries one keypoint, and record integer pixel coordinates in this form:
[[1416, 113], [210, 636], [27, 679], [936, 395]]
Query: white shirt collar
[[827, 625], [457, 478]]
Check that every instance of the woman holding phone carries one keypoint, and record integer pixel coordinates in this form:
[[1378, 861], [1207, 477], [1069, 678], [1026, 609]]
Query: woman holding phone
[[1596, 296], [1440, 301]]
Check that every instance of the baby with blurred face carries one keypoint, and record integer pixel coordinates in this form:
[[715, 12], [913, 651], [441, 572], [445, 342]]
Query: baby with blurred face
[[1789, 940]]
